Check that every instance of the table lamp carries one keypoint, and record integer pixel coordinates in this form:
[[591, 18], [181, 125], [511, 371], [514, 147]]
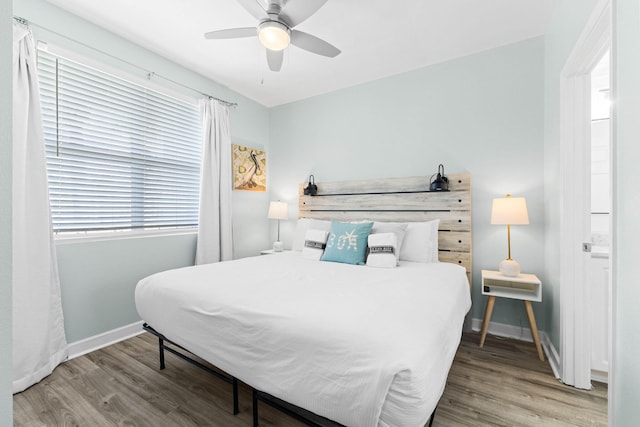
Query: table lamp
[[509, 211], [278, 210]]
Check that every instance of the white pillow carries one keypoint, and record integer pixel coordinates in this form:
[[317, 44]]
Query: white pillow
[[302, 226], [383, 250], [314, 244], [420, 242], [397, 228]]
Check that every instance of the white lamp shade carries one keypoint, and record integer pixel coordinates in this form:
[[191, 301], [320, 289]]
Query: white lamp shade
[[509, 210], [273, 35], [278, 210]]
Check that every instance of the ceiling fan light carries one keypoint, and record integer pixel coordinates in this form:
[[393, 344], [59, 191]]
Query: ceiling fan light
[[273, 35]]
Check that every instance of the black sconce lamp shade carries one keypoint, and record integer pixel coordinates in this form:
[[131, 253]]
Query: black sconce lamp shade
[[441, 182], [311, 189]]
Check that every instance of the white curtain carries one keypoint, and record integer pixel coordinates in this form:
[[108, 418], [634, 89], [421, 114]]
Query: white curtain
[[39, 343], [215, 237]]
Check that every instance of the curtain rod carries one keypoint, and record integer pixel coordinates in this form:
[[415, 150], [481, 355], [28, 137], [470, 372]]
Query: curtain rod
[[150, 74]]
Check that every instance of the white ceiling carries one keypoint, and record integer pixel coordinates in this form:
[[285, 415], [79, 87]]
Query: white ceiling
[[378, 38]]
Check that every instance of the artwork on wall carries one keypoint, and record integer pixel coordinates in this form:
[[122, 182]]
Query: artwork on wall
[[249, 168]]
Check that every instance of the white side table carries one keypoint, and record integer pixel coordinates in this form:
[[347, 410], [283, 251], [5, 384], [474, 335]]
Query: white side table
[[270, 252], [525, 287]]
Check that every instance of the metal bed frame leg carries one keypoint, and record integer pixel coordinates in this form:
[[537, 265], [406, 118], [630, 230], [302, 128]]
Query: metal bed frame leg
[[234, 383], [433, 415], [161, 352], [161, 348], [254, 398]]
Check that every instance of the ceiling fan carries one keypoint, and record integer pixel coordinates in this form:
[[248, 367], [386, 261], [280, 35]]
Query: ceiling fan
[[275, 28]]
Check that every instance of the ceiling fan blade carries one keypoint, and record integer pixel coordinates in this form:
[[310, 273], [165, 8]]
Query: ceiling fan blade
[[297, 11], [313, 44], [232, 33], [274, 59], [254, 8]]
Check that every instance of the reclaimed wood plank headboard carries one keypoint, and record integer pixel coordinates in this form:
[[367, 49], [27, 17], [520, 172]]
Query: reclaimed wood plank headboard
[[400, 200]]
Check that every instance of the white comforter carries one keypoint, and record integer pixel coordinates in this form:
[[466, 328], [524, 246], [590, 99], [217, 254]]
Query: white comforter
[[359, 345]]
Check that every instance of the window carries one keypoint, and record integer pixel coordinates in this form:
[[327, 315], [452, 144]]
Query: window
[[119, 156]]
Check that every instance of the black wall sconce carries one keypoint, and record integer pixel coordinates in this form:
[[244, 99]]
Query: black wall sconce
[[311, 189], [441, 182]]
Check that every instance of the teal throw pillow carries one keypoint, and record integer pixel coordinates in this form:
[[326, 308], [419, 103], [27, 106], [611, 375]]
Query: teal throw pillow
[[347, 242]]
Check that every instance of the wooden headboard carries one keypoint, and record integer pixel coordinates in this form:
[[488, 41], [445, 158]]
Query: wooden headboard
[[401, 200]]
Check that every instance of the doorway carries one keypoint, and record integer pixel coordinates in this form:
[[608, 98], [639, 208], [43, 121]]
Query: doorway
[[575, 230]]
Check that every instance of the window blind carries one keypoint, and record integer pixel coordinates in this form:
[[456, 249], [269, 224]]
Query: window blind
[[119, 155]]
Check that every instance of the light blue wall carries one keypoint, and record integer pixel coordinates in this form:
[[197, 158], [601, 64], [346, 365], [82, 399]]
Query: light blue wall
[[564, 29], [98, 278], [6, 37], [482, 113], [626, 339]]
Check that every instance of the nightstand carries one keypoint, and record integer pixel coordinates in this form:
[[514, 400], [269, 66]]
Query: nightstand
[[270, 252], [524, 287]]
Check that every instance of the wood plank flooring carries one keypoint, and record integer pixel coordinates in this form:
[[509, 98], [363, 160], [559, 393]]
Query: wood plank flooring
[[502, 384]]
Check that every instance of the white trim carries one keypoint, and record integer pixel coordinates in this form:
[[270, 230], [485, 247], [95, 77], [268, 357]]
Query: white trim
[[96, 342], [552, 354], [600, 376], [100, 236], [575, 346], [523, 334], [505, 331]]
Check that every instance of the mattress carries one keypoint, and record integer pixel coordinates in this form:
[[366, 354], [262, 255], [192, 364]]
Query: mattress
[[359, 345]]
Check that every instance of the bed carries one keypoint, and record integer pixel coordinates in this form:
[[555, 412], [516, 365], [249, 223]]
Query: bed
[[350, 344]]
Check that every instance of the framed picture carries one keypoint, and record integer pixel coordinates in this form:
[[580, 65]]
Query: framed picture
[[249, 168]]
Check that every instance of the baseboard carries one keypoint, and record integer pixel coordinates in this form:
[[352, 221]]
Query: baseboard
[[523, 334], [96, 342], [599, 376], [552, 354], [505, 331]]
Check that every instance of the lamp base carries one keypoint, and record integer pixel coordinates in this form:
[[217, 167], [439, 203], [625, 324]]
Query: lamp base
[[278, 246], [510, 267]]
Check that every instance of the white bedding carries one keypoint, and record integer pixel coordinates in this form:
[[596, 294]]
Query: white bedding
[[359, 345]]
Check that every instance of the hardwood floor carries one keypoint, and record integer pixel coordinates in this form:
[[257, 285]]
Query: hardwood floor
[[505, 384], [502, 384]]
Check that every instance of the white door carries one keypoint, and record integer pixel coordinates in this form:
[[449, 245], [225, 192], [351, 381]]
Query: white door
[[600, 220]]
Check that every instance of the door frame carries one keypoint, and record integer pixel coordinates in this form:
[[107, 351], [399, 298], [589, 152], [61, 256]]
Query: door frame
[[575, 157]]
